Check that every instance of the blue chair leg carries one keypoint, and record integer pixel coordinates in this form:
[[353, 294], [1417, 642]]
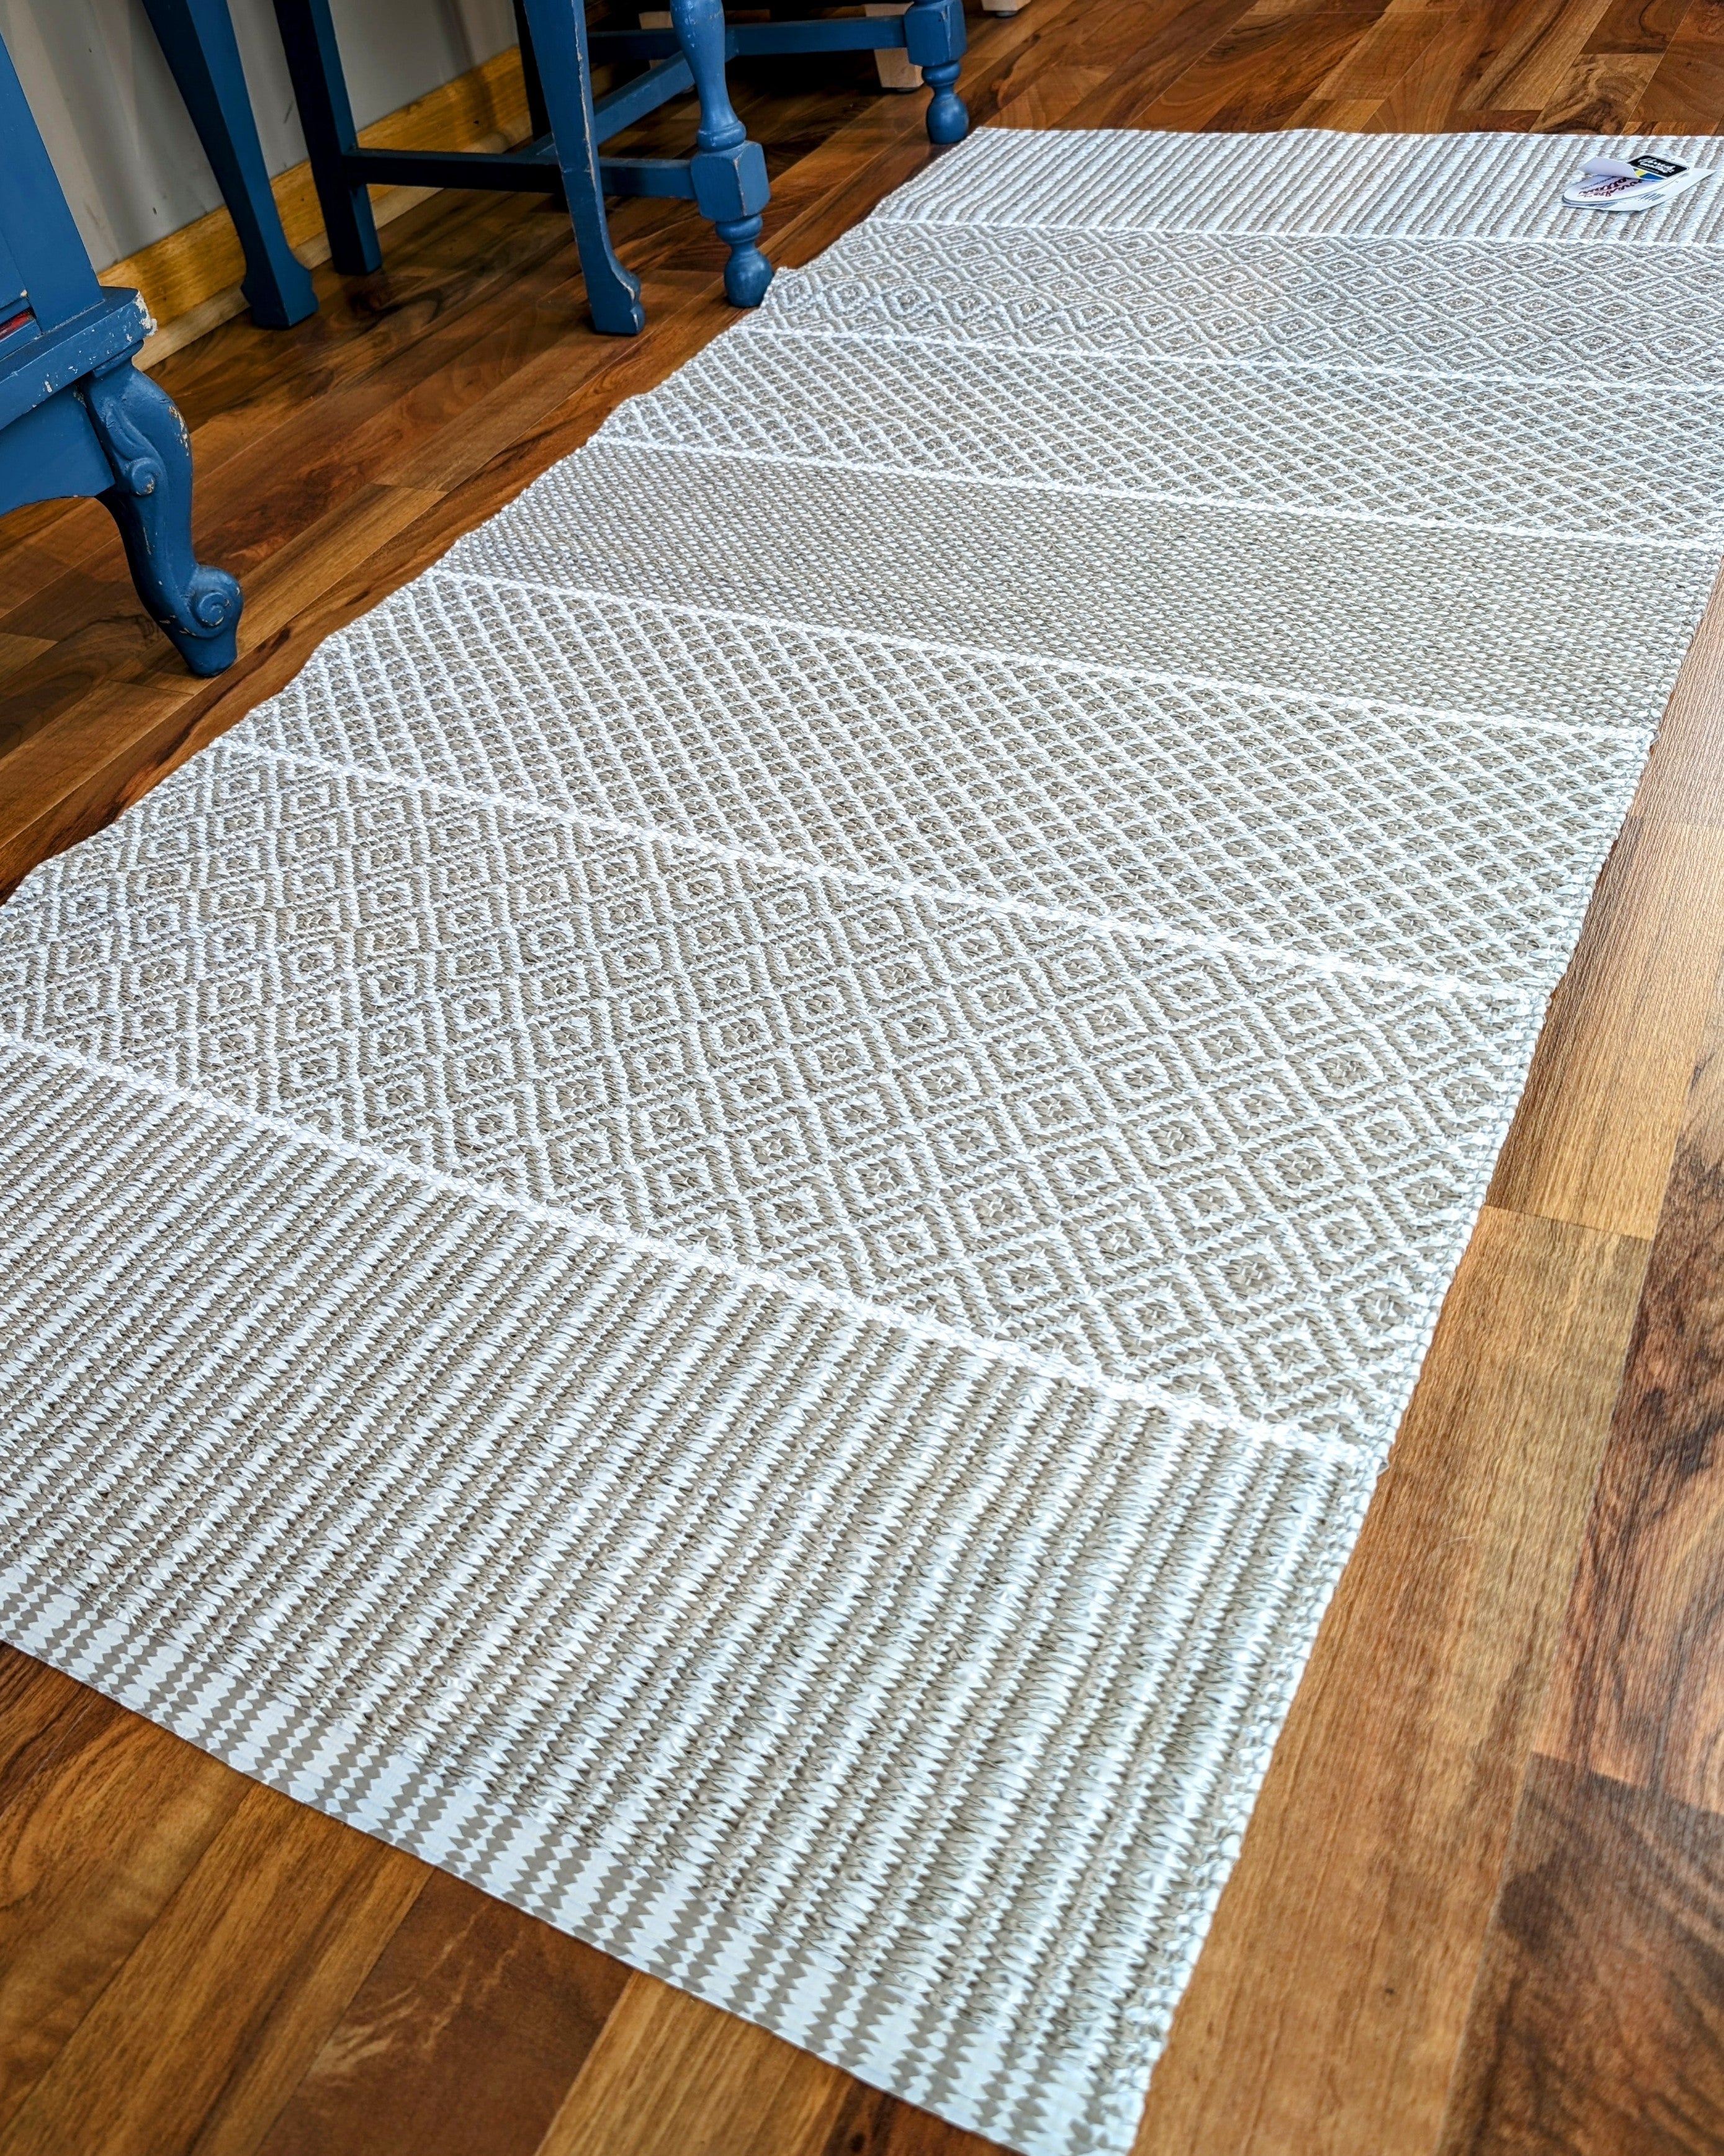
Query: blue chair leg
[[934, 40], [320, 89], [559, 35], [539, 121], [144, 439], [196, 39], [729, 170]]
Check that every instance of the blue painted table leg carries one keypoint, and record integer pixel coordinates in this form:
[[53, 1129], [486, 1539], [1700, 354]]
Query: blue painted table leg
[[144, 439], [558, 33], [314, 62], [934, 40], [196, 37], [729, 170]]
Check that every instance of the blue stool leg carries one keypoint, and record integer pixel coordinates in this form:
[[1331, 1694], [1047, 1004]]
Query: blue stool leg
[[144, 439], [197, 37], [314, 62], [558, 34], [728, 170], [934, 40]]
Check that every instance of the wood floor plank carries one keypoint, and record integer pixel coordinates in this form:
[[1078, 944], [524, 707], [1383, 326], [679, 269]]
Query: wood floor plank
[[1684, 779], [1602, 94], [871, 2123], [196, 2043], [1597, 2023], [462, 2041], [1171, 40], [16, 651], [76, 773], [531, 396], [326, 550], [101, 1818], [672, 2076], [1593, 1138], [1685, 94], [1637, 26], [1599, 2027], [1276, 56], [1531, 67], [1432, 93], [105, 637], [1638, 1694], [1330, 1999], [1387, 54]]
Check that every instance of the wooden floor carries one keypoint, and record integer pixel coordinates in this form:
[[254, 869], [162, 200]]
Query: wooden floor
[[1480, 1907]]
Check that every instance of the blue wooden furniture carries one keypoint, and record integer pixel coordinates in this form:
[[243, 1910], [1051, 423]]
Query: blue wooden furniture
[[725, 176], [197, 37], [76, 416]]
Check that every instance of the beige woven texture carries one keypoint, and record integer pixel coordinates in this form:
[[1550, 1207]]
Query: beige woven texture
[[726, 1227]]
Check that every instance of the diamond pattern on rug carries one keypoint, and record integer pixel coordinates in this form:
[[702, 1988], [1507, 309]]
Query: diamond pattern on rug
[[1535, 457], [823, 1672], [1460, 620], [724, 1227], [1219, 1177], [1487, 309], [1382, 838]]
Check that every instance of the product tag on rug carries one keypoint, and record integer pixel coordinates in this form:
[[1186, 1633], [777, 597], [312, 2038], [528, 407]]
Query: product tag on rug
[[1631, 183]]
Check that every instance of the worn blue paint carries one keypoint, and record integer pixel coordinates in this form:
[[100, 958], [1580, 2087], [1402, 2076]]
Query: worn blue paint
[[933, 39], [728, 172], [76, 416], [197, 36], [931, 33], [726, 177], [327, 120]]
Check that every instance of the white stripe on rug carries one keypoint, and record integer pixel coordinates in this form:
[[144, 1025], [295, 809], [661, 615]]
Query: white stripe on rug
[[725, 1229]]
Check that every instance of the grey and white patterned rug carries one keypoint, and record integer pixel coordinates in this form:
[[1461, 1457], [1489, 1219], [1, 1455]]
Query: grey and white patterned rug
[[727, 1226]]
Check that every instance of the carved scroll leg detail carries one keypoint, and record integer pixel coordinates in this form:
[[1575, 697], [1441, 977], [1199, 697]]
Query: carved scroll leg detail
[[145, 441], [727, 171]]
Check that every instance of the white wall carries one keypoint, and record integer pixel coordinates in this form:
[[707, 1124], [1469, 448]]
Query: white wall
[[122, 145]]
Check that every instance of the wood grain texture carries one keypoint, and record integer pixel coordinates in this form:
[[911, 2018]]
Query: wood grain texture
[[187, 1964], [1685, 92], [1593, 1140], [1639, 1695], [168, 2059], [75, 1902], [1601, 94], [1531, 66], [1637, 26], [461, 2040], [1599, 2028], [1343, 1954], [672, 2077], [185, 271], [1599, 2021]]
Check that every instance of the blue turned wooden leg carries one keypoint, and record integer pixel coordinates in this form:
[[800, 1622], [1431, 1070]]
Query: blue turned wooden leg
[[196, 37], [320, 90], [728, 170], [934, 40], [144, 439], [558, 30]]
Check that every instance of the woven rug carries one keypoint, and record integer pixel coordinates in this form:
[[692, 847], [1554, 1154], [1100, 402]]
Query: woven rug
[[726, 1227]]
